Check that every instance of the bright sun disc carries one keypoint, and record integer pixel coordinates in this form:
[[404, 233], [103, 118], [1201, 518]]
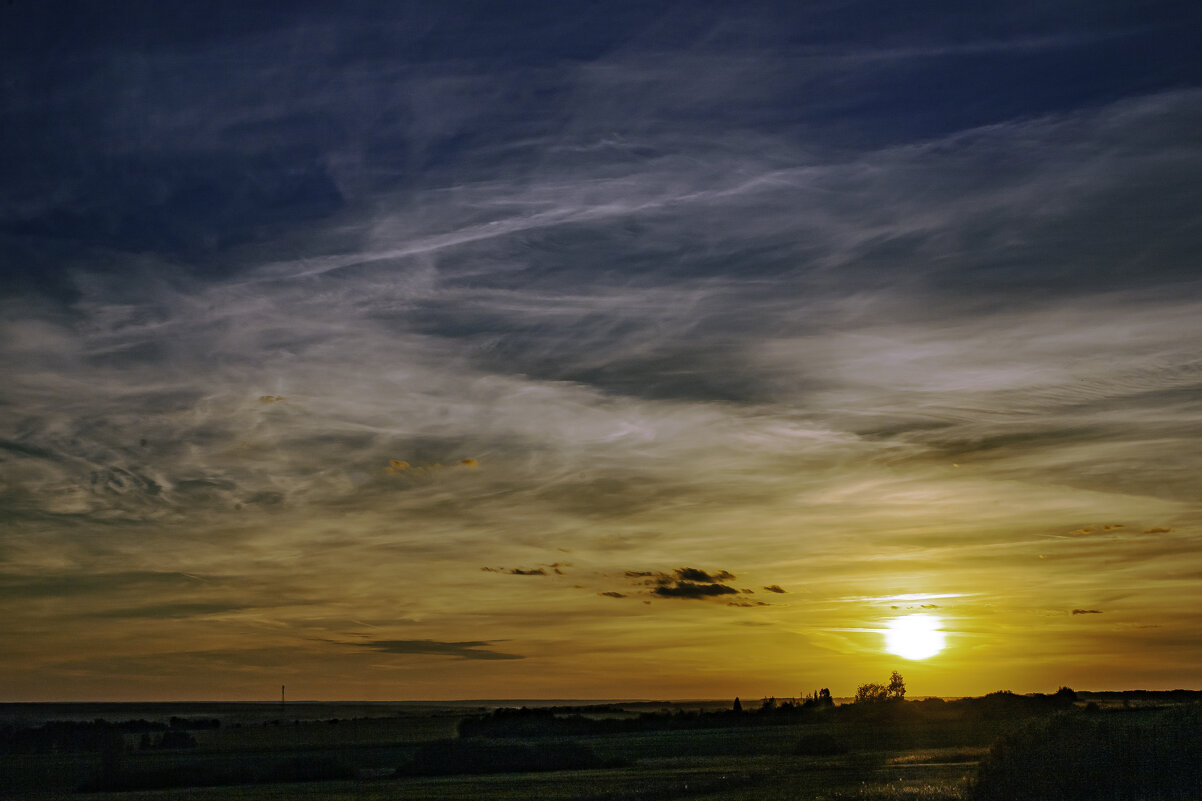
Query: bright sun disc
[[914, 636]]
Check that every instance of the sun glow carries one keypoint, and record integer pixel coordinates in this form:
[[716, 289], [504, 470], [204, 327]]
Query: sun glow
[[915, 636]]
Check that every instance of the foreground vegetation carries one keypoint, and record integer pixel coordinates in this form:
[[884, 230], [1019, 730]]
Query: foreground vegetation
[[1001, 746]]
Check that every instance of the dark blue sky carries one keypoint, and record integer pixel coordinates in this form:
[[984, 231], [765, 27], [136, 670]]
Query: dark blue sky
[[310, 312], [184, 131]]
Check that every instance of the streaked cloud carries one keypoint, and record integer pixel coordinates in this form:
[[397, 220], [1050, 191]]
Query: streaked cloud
[[459, 650]]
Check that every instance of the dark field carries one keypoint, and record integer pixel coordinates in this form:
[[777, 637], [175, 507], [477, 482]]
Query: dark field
[[1112, 746]]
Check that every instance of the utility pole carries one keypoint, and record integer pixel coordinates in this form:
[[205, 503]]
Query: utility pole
[[281, 695]]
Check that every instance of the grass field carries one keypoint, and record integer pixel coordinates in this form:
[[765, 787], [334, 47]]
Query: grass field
[[929, 753], [704, 777]]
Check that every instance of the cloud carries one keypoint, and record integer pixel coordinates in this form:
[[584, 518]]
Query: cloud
[[686, 582], [171, 611], [746, 603], [775, 588], [612, 594], [1087, 611], [473, 650], [534, 571], [689, 589], [77, 584], [695, 575], [1157, 530]]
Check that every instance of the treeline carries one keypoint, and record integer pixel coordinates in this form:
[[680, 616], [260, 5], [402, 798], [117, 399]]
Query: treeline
[[73, 736], [1154, 696], [559, 722], [819, 707]]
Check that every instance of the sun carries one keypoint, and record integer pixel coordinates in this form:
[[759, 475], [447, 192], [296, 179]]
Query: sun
[[915, 636]]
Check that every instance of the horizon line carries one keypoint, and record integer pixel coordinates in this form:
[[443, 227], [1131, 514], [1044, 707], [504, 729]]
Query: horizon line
[[551, 700]]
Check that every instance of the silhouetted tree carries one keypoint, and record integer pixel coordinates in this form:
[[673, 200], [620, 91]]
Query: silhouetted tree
[[738, 707], [818, 699], [871, 693]]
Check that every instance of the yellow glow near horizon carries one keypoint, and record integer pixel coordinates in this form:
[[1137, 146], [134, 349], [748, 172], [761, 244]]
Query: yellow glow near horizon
[[915, 636]]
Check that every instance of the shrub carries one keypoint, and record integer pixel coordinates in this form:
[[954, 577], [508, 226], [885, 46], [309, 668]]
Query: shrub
[[1074, 756]]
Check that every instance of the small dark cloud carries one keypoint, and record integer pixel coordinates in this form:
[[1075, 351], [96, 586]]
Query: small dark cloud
[[1157, 530], [474, 649], [1112, 526], [1081, 532], [701, 576], [534, 571], [1087, 611], [493, 569], [928, 606], [690, 589], [686, 582], [775, 588], [745, 603], [612, 594]]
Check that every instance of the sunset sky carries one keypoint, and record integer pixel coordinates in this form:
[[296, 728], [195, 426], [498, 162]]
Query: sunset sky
[[598, 349]]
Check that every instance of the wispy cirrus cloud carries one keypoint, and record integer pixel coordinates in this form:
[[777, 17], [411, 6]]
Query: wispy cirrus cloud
[[459, 650]]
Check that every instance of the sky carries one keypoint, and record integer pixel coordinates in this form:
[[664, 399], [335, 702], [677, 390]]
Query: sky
[[396, 351]]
